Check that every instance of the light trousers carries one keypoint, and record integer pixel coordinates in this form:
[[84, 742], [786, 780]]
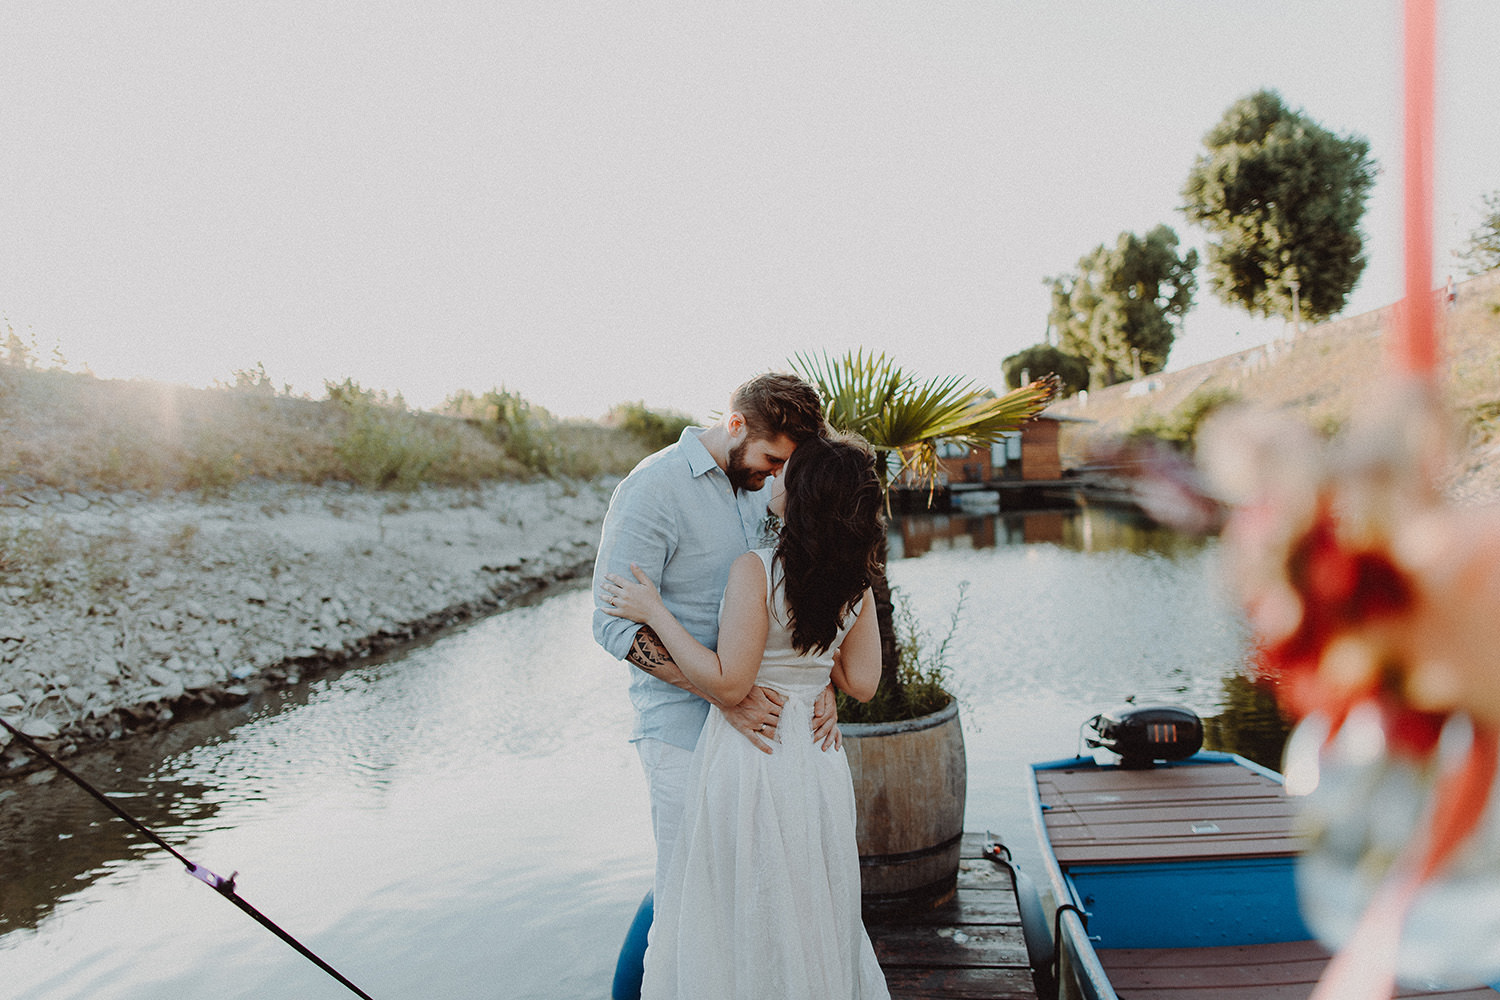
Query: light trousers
[[666, 769]]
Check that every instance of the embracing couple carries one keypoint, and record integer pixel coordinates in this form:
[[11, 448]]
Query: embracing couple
[[737, 631]]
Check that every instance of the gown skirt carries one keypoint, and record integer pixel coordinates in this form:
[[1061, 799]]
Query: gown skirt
[[762, 895]]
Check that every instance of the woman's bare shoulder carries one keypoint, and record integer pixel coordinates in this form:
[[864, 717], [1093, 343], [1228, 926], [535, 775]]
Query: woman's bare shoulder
[[748, 564]]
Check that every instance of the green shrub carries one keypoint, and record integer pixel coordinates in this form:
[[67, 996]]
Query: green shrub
[[656, 429], [523, 430], [1180, 427], [923, 669], [385, 447]]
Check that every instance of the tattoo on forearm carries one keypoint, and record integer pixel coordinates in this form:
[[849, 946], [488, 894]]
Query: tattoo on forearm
[[647, 651]]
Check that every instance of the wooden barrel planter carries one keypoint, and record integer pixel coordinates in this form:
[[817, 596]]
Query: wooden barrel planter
[[910, 779]]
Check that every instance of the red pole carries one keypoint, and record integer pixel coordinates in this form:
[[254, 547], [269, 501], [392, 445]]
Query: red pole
[[1414, 349]]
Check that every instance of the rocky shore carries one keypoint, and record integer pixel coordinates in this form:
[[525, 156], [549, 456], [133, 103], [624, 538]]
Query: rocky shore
[[120, 611]]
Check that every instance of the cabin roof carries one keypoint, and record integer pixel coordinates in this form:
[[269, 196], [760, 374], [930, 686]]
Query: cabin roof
[[1184, 812]]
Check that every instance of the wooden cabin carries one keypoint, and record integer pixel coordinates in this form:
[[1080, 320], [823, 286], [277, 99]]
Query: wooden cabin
[[1028, 455]]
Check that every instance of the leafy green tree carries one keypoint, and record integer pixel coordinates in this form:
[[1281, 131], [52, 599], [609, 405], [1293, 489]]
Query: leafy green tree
[[1117, 312], [903, 418], [1482, 252], [1281, 199], [1044, 359]]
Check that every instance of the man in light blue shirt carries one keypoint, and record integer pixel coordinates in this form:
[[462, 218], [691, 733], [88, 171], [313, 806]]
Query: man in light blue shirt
[[684, 515]]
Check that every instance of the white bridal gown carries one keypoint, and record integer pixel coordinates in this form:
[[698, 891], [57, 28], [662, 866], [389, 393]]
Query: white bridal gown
[[761, 897]]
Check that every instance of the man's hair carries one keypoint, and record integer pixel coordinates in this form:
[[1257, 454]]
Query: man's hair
[[777, 403]]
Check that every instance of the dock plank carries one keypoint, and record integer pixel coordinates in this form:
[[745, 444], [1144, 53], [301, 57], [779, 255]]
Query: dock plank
[[967, 948], [959, 984], [947, 947]]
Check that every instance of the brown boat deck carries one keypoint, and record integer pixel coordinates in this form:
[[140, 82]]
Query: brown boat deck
[[966, 949], [1285, 971], [1179, 813]]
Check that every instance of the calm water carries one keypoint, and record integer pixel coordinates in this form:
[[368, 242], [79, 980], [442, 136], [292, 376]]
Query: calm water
[[466, 820]]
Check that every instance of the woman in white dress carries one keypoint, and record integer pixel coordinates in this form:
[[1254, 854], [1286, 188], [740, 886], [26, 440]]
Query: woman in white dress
[[761, 897]]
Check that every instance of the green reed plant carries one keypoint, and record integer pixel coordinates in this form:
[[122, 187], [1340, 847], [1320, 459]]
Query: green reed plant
[[923, 668]]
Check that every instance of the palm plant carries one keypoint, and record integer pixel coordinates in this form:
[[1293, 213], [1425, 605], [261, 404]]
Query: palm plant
[[903, 418]]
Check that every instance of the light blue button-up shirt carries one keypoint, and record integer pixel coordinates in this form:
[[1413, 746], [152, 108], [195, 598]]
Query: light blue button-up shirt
[[676, 517]]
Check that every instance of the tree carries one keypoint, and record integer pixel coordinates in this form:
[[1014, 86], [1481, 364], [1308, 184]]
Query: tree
[[1044, 359], [1482, 252], [903, 417], [1117, 312], [1281, 198]]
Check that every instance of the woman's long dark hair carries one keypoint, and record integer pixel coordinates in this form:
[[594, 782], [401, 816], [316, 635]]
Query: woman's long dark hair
[[830, 541]]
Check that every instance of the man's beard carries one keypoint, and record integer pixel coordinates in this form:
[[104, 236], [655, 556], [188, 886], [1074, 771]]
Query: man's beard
[[741, 476]]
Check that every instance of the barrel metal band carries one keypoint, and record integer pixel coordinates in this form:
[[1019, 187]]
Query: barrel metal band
[[869, 860]]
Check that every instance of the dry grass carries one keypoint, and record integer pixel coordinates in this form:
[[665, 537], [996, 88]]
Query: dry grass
[[74, 432]]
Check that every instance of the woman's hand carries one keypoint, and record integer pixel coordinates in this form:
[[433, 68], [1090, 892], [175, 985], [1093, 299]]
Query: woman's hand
[[825, 719], [636, 599]]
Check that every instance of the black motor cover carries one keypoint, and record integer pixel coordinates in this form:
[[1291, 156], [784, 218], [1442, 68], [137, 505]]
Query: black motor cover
[[1141, 734]]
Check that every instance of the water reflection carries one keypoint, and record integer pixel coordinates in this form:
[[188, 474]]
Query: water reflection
[[1249, 723], [1081, 529], [84, 842], [466, 818], [1156, 627]]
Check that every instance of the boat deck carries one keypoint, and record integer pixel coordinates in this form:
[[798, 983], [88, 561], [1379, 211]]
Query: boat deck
[[970, 947], [1182, 813], [1284, 971]]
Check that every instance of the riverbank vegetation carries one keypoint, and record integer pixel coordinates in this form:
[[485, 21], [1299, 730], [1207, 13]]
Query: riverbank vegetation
[[73, 431]]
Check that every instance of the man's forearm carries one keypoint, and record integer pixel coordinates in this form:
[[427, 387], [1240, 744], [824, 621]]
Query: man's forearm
[[649, 653]]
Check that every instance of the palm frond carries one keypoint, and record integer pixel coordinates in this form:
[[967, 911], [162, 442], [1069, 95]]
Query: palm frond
[[986, 420], [856, 389], [920, 410], [871, 396]]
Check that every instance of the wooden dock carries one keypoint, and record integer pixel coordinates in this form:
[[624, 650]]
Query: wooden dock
[[966, 949]]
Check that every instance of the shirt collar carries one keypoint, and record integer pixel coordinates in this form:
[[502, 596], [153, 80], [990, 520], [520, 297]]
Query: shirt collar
[[699, 459]]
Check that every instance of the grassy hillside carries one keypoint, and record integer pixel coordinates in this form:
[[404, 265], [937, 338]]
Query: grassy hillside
[[1321, 377], [73, 431]]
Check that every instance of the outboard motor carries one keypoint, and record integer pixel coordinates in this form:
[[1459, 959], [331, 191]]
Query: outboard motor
[[1140, 735]]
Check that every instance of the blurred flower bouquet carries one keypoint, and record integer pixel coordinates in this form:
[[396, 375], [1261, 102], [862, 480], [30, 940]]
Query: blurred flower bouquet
[[1376, 609]]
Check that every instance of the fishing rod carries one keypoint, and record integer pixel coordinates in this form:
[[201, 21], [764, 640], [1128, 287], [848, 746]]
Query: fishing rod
[[223, 886]]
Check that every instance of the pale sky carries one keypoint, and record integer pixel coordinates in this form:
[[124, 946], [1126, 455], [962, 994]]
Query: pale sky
[[591, 203]]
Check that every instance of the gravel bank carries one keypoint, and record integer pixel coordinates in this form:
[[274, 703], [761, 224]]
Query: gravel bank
[[119, 611]]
